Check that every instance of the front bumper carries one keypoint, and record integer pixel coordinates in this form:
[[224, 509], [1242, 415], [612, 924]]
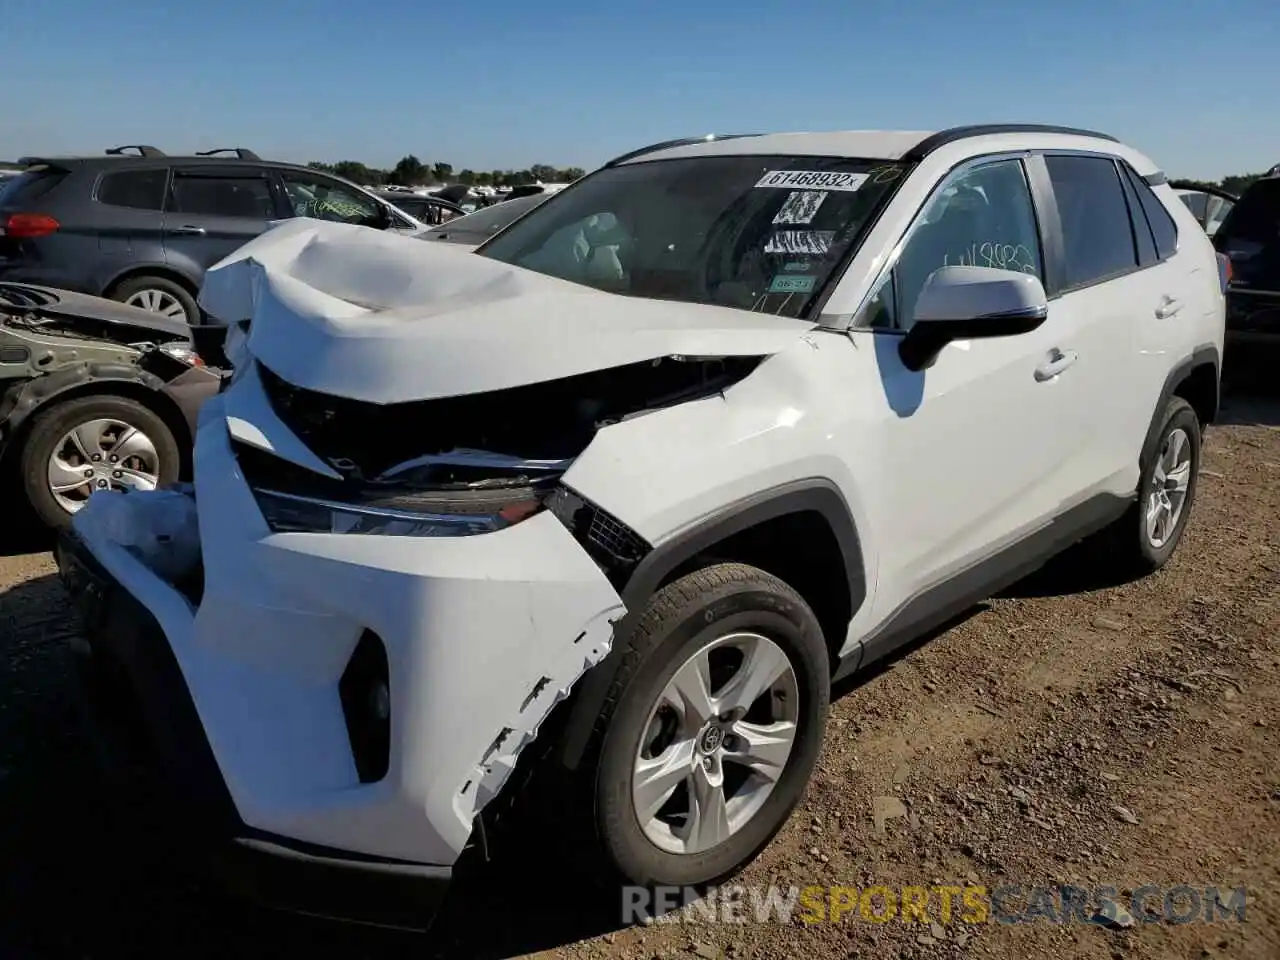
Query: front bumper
[[144, 723], [482, 636]]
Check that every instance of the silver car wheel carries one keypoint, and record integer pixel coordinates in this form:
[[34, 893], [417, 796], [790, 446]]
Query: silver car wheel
[[158, 301], [716, 743], [100, 455], [1167, 494]]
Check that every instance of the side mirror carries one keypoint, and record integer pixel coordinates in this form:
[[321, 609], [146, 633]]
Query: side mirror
[[968, 303]]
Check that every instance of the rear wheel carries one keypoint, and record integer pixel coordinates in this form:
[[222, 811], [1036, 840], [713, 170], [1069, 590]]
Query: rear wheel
[[1144, 539], [158, 295], [711, 730], [80, 446]]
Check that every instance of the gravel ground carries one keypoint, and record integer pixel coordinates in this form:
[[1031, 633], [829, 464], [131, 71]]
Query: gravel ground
[[1068, 732]]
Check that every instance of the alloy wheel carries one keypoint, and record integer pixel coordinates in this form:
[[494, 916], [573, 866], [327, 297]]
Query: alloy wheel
[[1167, 494], [716, 743], [158, 301], [100, 455]]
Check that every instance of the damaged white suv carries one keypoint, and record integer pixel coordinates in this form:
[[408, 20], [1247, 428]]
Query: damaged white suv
[[626, 489]]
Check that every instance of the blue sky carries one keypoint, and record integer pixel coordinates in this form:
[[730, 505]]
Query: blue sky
[[496, 84]]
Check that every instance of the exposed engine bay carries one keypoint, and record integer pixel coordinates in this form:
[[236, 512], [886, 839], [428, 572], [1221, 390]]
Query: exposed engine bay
[[53, 340], [44, 331], [474, 441]]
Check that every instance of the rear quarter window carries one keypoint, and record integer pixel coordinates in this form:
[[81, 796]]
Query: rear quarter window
[[1163, 228]]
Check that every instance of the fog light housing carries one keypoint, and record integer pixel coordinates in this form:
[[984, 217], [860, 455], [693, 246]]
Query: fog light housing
[[365, 692]]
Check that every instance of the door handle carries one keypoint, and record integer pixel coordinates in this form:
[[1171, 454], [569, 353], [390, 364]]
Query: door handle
[[1169, 306], [1057, 362], [189, 229]]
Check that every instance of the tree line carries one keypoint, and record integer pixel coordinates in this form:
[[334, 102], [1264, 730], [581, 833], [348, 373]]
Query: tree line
[[412, 172]]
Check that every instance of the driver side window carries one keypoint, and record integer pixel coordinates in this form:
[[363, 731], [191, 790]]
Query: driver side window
[[981, 218]]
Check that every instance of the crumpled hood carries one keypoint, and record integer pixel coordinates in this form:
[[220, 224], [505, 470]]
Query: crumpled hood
[[363, 314]]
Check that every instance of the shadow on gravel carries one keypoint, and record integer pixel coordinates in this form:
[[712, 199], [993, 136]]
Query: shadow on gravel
[[1251, 387], [20, 531], [82, 877]]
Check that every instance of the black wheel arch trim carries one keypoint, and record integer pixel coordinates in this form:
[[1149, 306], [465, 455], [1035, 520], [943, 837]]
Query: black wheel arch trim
[[1206, 355], [813, 495]]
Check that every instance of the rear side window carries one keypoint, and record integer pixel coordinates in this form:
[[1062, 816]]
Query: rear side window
[[138, 189], [1162, 225], [245, 197], [1097, 234], [29, 186]]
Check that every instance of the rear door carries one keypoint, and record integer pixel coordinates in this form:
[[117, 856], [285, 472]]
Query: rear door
[[212, 210]]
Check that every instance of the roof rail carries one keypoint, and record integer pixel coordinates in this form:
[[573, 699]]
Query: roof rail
[[681, 142], [943, 137], [142, 148], [242, 153]]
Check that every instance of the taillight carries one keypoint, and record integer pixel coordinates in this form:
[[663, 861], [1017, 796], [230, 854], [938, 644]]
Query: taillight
[[25, 226], [1224, 271]]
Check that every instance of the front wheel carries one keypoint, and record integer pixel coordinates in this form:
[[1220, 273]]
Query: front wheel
[[80, 446], [712, 728]]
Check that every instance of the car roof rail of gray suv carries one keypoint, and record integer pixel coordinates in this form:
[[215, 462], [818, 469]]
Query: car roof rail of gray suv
[[143, 150], [242, 153]]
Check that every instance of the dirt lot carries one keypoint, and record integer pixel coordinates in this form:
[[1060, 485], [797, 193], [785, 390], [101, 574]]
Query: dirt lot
[[1071, 732]]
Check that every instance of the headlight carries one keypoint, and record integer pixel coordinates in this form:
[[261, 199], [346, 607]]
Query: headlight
[[183, 352], [426, 514]]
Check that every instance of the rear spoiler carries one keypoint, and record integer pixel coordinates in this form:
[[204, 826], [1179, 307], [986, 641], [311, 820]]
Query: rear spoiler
[[59, 163]]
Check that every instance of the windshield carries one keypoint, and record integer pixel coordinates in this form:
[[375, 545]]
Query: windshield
[[758, 233]]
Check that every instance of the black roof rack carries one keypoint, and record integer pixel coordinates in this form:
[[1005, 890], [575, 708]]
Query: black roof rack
[[143, 150], [943, 137], [242, 153], [682, 142]]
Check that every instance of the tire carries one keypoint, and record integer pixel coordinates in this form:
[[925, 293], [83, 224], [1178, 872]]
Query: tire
[[1130, 543], [678, 622], [51, 426], [166, 290]]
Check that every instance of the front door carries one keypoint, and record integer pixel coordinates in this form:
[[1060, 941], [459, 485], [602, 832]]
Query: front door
[[971, 447]]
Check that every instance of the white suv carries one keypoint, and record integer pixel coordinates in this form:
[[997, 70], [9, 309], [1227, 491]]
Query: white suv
[[622, 492]]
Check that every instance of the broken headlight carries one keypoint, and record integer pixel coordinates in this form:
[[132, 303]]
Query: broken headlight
[[417, 514]]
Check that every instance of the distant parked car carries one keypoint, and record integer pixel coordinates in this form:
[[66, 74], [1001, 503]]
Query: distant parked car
[[1209, 204], [432, 211], [1250, 238], [143, 227], [93, 396], [475, 228]]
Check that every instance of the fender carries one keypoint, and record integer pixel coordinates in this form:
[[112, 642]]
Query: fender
[[23, 401], [813, 495], [1206, 355]]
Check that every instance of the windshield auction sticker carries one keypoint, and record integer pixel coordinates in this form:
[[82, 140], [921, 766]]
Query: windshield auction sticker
[[812, 179]]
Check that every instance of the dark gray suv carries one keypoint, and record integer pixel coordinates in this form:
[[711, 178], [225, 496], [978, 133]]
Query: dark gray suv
[[141, 227]]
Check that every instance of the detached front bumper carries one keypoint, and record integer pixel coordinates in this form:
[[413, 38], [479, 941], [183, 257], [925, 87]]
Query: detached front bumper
[[242, 685]]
